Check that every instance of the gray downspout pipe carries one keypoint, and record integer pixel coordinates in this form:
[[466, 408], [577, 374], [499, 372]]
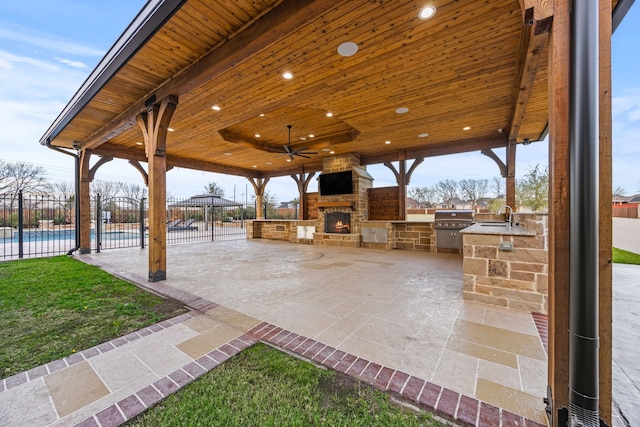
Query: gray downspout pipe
[[584, 199], [77, 190]]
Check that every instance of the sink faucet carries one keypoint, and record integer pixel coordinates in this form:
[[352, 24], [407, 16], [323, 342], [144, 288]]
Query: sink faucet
[[507, 218]]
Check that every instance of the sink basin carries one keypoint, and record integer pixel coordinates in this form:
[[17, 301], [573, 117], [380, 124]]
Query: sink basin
[[494, 224]]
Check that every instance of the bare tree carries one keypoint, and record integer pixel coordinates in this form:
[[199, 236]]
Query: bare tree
[[425, 196], [447, 190], [497, 185], [133, 191], [106, 189], [21, 176], [619, 191], [473, 189], [65, 194]]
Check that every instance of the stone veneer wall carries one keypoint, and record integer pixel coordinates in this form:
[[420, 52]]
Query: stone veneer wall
[[415, 236], [516, 279], [278, 230]]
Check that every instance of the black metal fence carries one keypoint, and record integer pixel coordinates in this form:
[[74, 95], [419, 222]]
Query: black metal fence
[[44, 225], [36, 225]]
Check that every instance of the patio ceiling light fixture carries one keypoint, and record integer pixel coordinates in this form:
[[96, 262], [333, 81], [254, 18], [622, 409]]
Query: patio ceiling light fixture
[[216, 108], [402, 110], [347, 49], [427, 12], [288, 75], [423, 135]]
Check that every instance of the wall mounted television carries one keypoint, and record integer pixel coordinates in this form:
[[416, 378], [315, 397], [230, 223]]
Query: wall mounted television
[[331, 184]]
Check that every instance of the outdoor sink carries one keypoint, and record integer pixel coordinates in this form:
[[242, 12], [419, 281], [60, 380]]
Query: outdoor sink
[[494, 224]]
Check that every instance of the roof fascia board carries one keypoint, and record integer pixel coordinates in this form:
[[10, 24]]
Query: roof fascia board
[[620, 12], [148, 21]]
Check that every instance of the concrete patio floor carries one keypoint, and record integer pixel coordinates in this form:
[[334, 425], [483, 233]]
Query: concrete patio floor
[[399, 309]]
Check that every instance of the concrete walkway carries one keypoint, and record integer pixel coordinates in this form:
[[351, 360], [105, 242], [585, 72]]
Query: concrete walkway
[[392, 318]]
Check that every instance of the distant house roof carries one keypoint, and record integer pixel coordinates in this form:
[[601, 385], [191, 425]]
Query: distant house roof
[[635, 199], [202, 200]]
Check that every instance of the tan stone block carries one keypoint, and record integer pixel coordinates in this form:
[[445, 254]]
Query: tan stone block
[[404, 245], [539, 256], [467, 251], [475, 266], [527, 266], [498, 268], [410, 235], [486, 299], [481, 239], [531, 307], [486, 290], [489, 252], [522, 275], [519, 285], [513, 294], [528, 242], [542, 283], [468, 282]]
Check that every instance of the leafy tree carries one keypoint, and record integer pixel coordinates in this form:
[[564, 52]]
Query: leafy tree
[[447, 190], [533, 189], [425, 196], [214, 188], [270, 204], [473, 189]]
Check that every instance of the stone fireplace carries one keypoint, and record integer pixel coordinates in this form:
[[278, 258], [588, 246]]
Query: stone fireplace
[[340, 216], [337, 222]]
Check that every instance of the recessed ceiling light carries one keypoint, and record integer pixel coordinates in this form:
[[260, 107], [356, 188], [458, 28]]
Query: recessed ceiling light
[[303, 138], [287, 75], [269, 163], [427, 12], [216, 108], [311, 135], [332, 152], [348, 49], [402, 110], [387, 142], [329, 114], [325, 149], [423, 135], [288, 160], [255, 166], [262, 115], [228, 154], [466, 128], [139, 143], [257, 135], [170, 129]]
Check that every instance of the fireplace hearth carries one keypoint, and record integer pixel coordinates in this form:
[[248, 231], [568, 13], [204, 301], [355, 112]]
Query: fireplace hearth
[[337, 222]]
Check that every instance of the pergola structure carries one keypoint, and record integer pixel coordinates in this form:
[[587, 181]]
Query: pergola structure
[[212, 85]]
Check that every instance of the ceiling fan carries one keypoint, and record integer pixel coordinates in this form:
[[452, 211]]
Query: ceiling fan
[[300, 153]]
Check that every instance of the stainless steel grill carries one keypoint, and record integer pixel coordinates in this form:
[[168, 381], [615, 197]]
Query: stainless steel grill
[[448, 224]]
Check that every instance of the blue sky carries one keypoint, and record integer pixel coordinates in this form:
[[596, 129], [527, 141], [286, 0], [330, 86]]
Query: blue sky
[[47, 49]]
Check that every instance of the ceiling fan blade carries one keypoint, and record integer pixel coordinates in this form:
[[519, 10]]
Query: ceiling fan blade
[[287, 149], [302, 155], [307, 152]]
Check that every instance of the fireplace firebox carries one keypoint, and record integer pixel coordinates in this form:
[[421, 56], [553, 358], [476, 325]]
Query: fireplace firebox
[[337, 222]]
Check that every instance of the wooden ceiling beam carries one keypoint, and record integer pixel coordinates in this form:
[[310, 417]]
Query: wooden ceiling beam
[[534, 36], [283, 20], [542, 9], [133, 154], [463, 146]]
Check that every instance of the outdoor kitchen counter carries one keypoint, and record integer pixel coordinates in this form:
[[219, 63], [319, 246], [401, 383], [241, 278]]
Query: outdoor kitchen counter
[[507, 266], [497, 228]]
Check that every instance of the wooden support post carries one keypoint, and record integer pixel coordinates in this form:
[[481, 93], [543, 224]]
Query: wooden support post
[[259, 185], [303, 183], [403, 177], [511, 175], [605, 234], [84, 197], [154, 124], [559, 92]]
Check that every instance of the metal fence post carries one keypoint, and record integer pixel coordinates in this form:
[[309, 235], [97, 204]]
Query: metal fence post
[[20, 226], [142, 223], [98, 223]]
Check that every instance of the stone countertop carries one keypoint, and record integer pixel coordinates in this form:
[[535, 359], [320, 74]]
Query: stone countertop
[[497, 228]]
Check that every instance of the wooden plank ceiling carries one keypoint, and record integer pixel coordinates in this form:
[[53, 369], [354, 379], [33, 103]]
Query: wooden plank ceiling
[[465, 67]]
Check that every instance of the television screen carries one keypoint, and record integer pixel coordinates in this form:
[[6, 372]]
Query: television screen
[[335, 183]]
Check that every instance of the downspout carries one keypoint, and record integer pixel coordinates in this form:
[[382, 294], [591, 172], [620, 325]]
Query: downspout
[[584, 199], [77, 189]]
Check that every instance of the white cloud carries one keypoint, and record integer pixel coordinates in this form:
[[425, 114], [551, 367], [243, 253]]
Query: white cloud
[[47, 41], [69, 62]]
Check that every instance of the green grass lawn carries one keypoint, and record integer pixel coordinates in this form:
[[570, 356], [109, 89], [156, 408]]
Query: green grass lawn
[[265, 387], [53, 307], [620, 256]]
